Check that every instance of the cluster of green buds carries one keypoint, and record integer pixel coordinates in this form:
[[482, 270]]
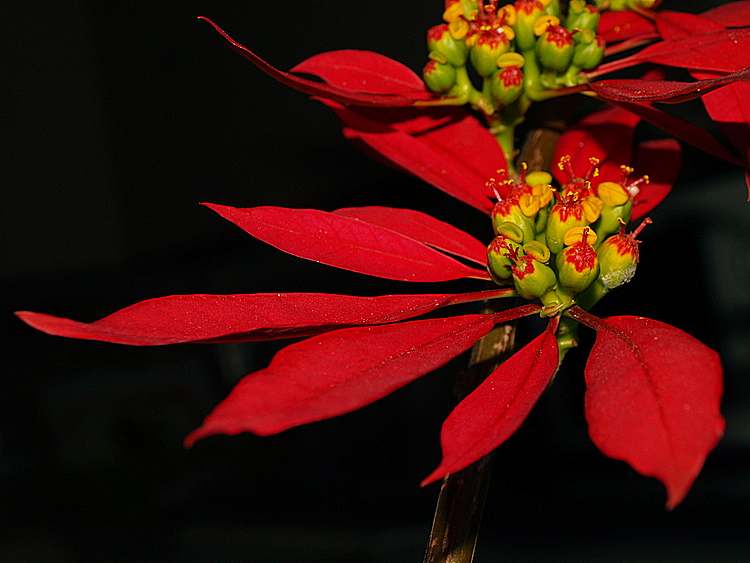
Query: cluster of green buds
[[563, 246], [619, 5], [521, 51]]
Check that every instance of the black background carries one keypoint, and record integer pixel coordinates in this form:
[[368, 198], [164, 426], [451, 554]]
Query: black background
[[118, 120]]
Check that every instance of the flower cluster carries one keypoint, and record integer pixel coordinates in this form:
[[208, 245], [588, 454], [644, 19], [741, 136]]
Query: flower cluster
[[519, 50], [568, 245]]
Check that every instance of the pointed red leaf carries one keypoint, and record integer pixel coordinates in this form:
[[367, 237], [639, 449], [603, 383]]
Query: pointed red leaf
[[667, 91], [493, 412], [347, 243], [371, 97], [457, 157], [364, 71], [621, 25], [732, 14], [674, 25], [653, 398], [424, 228], [339, 372], [244, 318], [661, 160], [723, 51]]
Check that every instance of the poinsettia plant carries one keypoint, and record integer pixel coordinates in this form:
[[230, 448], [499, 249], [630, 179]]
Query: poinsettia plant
[[561, 239]]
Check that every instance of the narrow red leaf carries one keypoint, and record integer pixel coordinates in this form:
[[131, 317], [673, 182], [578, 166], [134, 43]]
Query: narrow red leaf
[[244, 318], [495, 410], [732, 14], [458, 157], [343, 95], [666, 91], [653, 398], [364, 71], [339, 372], [347, 243], [424, 228]]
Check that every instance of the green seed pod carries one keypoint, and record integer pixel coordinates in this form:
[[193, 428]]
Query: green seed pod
[[532, 278], [439, 77], [440, 39], [554, 48]]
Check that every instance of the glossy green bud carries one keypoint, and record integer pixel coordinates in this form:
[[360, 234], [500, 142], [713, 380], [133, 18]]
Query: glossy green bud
[[527, 11], [500, 254], [618, 257], [439, 77], [578, 263], [564, 216], [486, 49], [532, 278], [506, 85], [589, 50], [582, 16], [440, 39], [554, 48]]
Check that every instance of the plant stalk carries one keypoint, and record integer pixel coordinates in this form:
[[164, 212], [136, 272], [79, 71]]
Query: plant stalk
[[458, 514]]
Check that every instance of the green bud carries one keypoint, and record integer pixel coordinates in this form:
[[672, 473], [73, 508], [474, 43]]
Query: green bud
[[554, 48], [578, 264], [589, 50], [618, 257], [509, 210], [532, 278], [506, 85], [439, 77], [582, 16], [527, 11], [500, 254], [486, 49], [439, 39]]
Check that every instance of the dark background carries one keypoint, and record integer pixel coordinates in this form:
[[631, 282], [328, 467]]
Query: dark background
[[118, 120]]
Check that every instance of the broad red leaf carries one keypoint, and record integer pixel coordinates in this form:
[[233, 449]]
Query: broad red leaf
[[364, 71], [457, 157], [674, 25], [339, 372], [347, 243], [623, 25], [660, 160], [424, 228], [723, 51], [732, 14], [243, 318], [493, 412], [653, 398], [667, 91], [402, 96]]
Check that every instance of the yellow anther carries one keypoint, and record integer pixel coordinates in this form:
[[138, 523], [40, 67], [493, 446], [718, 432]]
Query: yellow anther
[[537, 250], [543, 22], [454, 12], [510, 59], [508, 13], [563, 162], [575, 235], [592, 207], [529, 204], [458, 28], [612, 194]]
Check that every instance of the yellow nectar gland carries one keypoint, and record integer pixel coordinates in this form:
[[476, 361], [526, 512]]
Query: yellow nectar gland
[[577, 235], [612, 194]]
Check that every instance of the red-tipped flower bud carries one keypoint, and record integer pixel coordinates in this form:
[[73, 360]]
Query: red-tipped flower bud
[[578, 264], [555, 48], [439, 77], [618, 257], [439, 39], [532, 278]]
